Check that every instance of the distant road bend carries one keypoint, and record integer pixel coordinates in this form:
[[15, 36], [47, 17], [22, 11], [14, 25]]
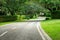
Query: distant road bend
[[21, 31]]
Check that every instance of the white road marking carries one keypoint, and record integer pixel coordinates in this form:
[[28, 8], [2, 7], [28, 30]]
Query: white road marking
[[44, 34], [3, 33], [40, 32]]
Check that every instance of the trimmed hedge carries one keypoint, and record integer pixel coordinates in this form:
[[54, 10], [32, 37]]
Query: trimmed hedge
[[7, 18]]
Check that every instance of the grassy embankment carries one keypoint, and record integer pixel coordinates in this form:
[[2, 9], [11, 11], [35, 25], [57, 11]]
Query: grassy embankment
[[52, 28]]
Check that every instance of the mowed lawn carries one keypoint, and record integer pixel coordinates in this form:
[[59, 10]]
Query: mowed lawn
[[3, 23], [52, 28]]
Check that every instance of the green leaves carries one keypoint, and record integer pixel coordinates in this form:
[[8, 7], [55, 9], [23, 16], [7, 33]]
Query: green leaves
[[30, 7]]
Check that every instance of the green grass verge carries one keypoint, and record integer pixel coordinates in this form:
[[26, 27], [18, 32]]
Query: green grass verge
[[3, 23], [52, 28]]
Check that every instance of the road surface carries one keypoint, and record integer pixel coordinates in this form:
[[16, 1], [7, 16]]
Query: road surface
[[20, 31]]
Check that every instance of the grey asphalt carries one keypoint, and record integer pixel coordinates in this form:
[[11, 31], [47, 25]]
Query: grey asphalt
[[20, 31]]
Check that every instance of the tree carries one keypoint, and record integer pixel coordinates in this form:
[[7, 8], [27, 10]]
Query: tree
[[52, 5], [13, 5], [30, 9], [2, 8]]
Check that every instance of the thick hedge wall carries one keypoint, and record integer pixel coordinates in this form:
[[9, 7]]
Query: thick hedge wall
[[7, 18]]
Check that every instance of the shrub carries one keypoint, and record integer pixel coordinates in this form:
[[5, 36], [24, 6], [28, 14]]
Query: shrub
[[7, 18], [48, 18], [56, 14]]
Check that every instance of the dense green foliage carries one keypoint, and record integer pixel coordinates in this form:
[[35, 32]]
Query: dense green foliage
[[30, 8], [53, 6]]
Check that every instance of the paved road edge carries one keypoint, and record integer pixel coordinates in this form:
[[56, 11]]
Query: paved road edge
[[46, 36]]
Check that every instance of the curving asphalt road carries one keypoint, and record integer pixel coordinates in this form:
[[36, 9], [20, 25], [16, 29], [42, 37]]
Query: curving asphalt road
[[20, 31]]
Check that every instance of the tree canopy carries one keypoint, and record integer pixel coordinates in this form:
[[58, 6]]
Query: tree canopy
[[29, 7]]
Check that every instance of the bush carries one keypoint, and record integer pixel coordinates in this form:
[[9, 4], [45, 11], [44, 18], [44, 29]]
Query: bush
[[48, 18], [48, 15], [56, 14], [7, 18]]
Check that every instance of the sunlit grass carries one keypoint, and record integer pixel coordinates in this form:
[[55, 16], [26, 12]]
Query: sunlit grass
[[52, 28], [3, 23]]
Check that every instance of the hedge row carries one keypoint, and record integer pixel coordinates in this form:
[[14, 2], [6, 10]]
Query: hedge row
[[7, 18]]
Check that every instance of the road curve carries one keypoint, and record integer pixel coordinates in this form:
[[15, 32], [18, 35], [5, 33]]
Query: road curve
[[20, 31]]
